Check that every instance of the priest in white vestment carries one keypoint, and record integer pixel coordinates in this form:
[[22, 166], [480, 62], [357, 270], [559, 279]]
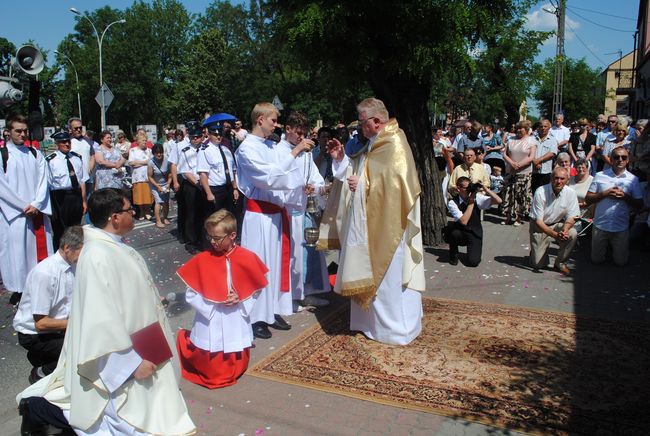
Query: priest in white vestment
[[101, 383], [373, 217], [267, 175], [25, 230]]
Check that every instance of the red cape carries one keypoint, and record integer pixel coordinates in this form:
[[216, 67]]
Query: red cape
[[206, 274]]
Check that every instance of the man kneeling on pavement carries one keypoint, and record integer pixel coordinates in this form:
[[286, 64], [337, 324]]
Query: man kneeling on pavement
[[42, 316], [553, 213], [467, 230]]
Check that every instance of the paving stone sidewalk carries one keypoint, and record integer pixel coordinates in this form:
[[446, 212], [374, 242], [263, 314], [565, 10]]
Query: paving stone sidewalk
[[260, 407]]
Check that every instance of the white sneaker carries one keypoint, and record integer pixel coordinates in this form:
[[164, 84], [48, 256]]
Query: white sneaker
[[312, 300], [297, 307]]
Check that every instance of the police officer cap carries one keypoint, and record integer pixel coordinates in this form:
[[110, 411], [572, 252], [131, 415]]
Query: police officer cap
[[61, 136], [194, 130], [214, 128]]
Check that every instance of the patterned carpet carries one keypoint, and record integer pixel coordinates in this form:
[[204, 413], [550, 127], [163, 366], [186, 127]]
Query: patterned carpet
[[527, 370]]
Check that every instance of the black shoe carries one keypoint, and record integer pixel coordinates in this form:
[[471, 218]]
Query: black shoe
[[453, 260], [33, 376], [15, 298], [261, 330], [280, 324]]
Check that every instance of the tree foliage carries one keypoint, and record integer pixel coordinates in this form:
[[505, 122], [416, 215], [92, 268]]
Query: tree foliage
[[582, 95], [166, 66]]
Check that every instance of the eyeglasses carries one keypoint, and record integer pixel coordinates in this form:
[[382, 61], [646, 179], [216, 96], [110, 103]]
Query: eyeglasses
[[128, 209], [611, 121], [76, 128], [619, 157], [215, 239], [583, 125], [21, 131]]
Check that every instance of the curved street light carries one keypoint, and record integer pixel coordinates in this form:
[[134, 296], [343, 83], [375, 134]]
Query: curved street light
[[100, 40], [76, 77]]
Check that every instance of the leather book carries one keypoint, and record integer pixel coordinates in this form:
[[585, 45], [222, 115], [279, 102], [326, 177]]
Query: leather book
[[151, 345]]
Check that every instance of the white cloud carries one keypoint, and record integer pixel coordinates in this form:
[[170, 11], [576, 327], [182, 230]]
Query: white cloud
[[538, 19]]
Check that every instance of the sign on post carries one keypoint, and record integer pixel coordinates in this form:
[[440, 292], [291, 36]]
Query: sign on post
[[108, 96], [277, 103]]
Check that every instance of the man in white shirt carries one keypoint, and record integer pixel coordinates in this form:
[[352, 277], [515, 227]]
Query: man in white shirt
[[215, 165], [25, 231], [191, 188], [466, 229], [560, 132], [553, 213], [544, 156], [42, 315], [67, 180], [80, 146], [616, 192]]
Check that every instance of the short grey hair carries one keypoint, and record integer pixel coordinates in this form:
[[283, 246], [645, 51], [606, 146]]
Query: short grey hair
[[562, 155], [374, 108], [641, 124], [73, 238], [621, 148], [71, 119]]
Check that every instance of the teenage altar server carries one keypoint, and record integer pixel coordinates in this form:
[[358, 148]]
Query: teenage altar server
[[221, 285], [375, 222], [25, 230], [67, 178], [308, 268], [118, 372], [267, 175]]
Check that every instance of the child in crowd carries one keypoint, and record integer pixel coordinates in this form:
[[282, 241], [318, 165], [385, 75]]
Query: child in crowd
[[222, 285], [496, 180]]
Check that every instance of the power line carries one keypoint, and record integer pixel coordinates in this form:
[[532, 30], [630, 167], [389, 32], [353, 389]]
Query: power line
[[603, 26], [602, 13], [585, 45]]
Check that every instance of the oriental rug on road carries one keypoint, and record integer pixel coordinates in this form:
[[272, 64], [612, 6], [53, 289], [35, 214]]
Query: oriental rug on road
[[510, 367]]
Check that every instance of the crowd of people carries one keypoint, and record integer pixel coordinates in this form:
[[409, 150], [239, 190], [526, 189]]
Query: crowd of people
[[245, 203], [94, 325], [587, 179]]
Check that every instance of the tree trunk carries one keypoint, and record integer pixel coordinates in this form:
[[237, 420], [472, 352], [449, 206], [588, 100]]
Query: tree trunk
[[406, 100]]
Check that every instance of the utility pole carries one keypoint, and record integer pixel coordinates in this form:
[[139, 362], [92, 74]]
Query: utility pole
[[560, 12]]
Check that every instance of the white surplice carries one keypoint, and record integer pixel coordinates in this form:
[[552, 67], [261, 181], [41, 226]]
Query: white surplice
[[24, 183], [297, 202], [218, 327], [268, 173], [395, 313]]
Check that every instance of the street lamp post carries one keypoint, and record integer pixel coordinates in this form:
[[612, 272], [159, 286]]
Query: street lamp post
[[76, 77], [100, 40]]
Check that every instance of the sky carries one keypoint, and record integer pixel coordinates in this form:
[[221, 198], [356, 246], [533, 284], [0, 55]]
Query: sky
[[595, 29]]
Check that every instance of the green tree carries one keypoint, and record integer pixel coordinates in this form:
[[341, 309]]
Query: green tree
[[399, 55], [582, 96], [142, 59]]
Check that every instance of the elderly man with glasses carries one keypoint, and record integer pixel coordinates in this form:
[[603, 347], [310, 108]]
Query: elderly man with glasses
[[616, 191], [80, 146]]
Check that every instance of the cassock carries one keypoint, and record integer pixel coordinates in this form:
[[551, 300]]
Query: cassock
[[377, 228], [114, 297], [267, 174], [308, 268], [24, 241], [217, 350]]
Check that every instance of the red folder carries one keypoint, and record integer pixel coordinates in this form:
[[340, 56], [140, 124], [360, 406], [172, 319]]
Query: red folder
[[151, 345]]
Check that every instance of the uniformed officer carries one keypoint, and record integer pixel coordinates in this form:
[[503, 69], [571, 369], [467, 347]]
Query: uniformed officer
[[191, 188], [215, 167], [67, 180], [180, 142]]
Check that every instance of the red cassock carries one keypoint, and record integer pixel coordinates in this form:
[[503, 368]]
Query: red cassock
[[205, 273]]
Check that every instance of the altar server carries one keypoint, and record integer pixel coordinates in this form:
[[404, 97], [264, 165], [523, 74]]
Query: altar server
[[25, 230], [222, 283]]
